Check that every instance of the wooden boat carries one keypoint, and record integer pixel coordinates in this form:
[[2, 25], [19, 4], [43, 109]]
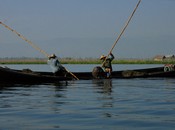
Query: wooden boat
[[8, 75], [167, 71]]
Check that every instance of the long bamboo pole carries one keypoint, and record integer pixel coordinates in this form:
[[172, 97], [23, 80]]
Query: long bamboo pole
[[33, 45], [122, 31]]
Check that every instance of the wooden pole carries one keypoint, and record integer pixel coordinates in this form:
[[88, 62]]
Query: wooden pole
[[122, 31], [33, 45]]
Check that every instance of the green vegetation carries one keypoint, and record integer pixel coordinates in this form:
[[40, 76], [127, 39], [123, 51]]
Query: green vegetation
[[81, 61]]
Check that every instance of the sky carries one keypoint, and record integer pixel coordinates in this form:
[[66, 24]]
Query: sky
[[87, 28]]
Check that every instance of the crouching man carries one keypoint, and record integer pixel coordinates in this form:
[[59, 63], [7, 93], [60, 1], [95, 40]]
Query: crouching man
[[56, 66]]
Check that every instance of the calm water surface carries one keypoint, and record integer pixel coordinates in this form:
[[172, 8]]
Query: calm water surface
[[89, 104]]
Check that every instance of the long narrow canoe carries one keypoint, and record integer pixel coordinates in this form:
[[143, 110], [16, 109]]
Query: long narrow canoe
[[167, 71], [8, 75]]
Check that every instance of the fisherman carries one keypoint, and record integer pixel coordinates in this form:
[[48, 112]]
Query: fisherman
[[106, 64], [56, 66]]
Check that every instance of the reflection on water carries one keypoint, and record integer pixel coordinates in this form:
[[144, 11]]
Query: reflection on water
[[104, 84], [90, 104]]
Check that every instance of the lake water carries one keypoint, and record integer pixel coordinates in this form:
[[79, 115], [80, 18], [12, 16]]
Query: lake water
[[124, 104]]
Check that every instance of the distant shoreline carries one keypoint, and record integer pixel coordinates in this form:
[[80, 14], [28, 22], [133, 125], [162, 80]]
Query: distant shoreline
[[81, 61]]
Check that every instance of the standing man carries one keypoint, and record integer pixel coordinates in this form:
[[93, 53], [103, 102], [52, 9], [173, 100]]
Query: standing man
[[56, 66], [106, 64]]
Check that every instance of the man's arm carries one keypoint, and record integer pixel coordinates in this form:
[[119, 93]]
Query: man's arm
[[112, 56]]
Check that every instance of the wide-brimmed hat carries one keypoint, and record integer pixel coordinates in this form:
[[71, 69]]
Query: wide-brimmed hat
[[102, 57], [52, 56]]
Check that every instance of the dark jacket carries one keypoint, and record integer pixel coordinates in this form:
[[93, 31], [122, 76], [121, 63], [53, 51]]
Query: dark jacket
[[107, 63]]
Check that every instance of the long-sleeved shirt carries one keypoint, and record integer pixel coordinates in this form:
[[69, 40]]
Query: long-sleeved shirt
[[107, 63], [55, 65]]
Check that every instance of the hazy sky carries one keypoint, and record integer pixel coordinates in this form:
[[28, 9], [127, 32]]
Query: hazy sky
[[87, 28]]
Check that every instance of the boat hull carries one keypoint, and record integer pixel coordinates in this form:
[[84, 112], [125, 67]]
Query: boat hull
[[22, 76], [157, 72], [8, 75]]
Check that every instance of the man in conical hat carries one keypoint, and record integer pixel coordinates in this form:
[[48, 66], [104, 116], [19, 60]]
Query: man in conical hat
[[106, 64], [55, 65]]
